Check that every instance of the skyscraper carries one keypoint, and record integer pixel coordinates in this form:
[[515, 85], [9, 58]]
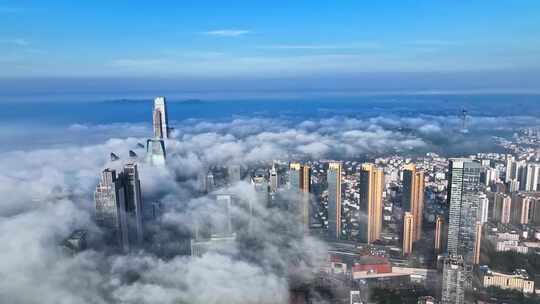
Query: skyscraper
[[223, 216], [333, 177], [160, 118], [134, 204], [111, 209], [274, 179], [119, 207], [413, 197], [454, 280], [155, 152], [371, 186], [463, 198], [233, 174], [260, 183], [408, 233], [439, 233], [300, 180]]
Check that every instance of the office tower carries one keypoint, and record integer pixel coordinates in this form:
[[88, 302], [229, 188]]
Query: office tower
[[439, 233], [371, 184], [274, 181], [333, 177], [413, 197], [260, 183], [408, 233], [155, 152], [222, 218], [233, 174], [111, 209], [134, 204], [455, 280], [160, 118], [210, 183], [155, 211], [224, 244], [76, 242], [300, 180], [463, 198], [483, 211]]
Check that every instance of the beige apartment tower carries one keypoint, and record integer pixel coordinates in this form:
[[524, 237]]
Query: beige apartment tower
[[333, 178], [413, 196], [371, 186], [408, 229], [439, 233]]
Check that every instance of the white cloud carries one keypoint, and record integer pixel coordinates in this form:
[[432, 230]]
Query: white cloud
[[15, 41], [227, 32]]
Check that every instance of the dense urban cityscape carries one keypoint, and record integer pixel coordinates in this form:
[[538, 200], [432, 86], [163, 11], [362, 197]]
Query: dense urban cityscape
[[427, 229], [269, 152]]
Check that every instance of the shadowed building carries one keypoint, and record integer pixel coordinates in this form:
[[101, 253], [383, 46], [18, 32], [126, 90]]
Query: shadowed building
[[119, 207], [439, 234], [371, 186], [300, 180], [413, 197]]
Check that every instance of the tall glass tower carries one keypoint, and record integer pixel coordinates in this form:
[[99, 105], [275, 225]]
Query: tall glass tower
[[463, 198]]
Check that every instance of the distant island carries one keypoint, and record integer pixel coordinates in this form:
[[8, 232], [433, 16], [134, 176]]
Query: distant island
[[127, 100]]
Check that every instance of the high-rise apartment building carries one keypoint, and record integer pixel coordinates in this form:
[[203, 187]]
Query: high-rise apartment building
[[408, 233], [413, 197], [160, 119], [439, 234], [483, 211], [371, 186], [300, 180], [521, 208], [333, 177]]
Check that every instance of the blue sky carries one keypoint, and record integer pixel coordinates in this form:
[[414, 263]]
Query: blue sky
[[209, 39]]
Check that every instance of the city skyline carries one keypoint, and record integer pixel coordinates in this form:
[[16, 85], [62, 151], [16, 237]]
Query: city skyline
[[285, 152]]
